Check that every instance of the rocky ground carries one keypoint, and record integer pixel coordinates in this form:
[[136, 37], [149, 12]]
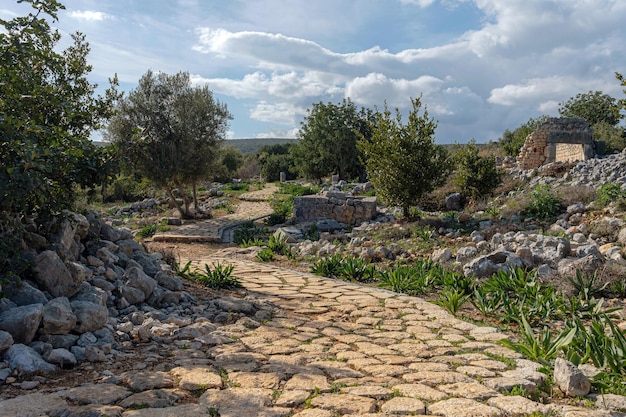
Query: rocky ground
[[107, 329]]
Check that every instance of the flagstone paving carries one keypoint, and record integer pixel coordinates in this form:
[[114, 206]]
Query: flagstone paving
[[330, 349], [254, 205]]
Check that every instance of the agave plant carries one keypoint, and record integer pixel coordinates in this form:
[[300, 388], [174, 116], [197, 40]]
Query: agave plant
[[402, 279], [356, 269], [328, 267], [542, 348], [452, 299]]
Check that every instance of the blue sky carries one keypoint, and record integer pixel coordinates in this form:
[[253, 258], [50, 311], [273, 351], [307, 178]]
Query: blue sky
[[482, 66]]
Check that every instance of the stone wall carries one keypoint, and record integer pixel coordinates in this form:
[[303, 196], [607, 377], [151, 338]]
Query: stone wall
[[557, 140], [339, 206]]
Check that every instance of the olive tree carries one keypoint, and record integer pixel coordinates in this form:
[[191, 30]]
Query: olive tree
[[48, 110], [402, 160], [170, 131]]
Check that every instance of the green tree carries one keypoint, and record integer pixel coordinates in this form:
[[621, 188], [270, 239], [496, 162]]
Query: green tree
[[231, 159], [622, 101], [402, 160], [170, 131], [47, 111], [612, 136], [474, 175], [594, 107], [328, 137], [512, 141], [275, 159]]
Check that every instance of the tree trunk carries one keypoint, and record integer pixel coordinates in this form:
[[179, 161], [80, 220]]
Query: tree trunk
[[195, 197], [171, 195], [186, 201]]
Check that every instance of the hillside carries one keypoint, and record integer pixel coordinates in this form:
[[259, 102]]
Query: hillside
[[253, 145]]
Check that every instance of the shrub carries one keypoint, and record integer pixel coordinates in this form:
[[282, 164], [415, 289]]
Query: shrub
[[265, 255], [475, 175], [543, 204], [245, 232], [609, 193]]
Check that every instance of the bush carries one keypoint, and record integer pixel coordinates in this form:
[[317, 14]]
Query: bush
[[475, 175], [543, 204], [609, 193], [126, 188]]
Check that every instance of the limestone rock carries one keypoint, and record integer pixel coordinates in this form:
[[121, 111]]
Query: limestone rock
[[36, 404], [53, 276], [455, 407], [26, 361], [62, 357], [89, 316], [441, 255], [24, 294], [136, 278], [22, 322], [6, 340], [570, 379], [195, 378], [58, 317]]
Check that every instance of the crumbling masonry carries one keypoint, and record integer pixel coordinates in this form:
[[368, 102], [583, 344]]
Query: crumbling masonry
[[558, 139]]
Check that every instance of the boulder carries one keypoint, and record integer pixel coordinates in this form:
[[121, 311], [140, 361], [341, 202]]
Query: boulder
[[24, 294], [22, 322], [62, 357], [169, 281], [441, 255], [136, 278], [6, 340], [53, 276], [587, 265], [26, 361], [454, 202], [58, 317], [487, 265], [110, 233], [89, 316], [571, 380], [149, 264], [466, 252], [131, 294]]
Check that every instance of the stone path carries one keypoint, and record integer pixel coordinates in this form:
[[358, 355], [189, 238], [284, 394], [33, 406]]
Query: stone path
[[329, 349], [254, 206]]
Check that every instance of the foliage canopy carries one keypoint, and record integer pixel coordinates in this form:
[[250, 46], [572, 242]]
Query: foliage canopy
[[47, 111], [328, 137], [594, 107], [475, 175], [402, 160], [170, 131]]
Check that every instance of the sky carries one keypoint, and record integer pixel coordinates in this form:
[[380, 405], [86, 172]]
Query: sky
[[481, 66]]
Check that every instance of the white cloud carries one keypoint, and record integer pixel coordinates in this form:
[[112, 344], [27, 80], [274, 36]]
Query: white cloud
[[279, 113], [89, 15], [420, 3], [375, 88], [297, 87], [278, 133]]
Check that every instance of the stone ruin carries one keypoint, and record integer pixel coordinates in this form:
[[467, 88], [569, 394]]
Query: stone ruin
[[336, 205], [558, 139]]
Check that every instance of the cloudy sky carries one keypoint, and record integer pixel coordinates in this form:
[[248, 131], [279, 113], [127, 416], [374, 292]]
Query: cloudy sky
[[483, 66]]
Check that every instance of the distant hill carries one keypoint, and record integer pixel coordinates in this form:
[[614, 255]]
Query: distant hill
[[253, 145], [244, 145]]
